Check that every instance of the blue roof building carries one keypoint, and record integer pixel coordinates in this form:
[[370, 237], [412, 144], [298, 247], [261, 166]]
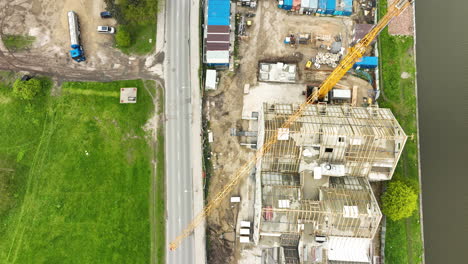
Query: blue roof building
[[219, 12]]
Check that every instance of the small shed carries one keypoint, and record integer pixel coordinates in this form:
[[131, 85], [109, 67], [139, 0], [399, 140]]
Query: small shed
[[210, 81], [128, 95]]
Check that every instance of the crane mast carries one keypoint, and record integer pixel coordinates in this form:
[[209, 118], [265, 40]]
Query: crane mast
[[354, 53]]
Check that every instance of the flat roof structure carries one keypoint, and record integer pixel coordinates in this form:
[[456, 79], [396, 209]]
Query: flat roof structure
[[217, 33], [128, 95], [210, 80]]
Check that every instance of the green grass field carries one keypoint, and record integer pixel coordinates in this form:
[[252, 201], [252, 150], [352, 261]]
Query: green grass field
[[75, 172], [403, 238], [17, 42], [140, 35]]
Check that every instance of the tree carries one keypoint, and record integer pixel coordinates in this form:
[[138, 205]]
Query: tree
[[399, 201], [122, 37], [27, 90]]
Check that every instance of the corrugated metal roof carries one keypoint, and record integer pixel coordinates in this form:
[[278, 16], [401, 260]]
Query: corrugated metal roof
[[322, 4], [218, 29], [217, 57], [331, 4], [217, 46], [218, 37], [360, 30], [219, 12], [313, 4]]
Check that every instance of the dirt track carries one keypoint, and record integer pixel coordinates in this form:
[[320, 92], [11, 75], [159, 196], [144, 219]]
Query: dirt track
[[46, 20]]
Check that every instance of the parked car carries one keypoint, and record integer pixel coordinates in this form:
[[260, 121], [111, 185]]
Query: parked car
[[106, 29], [106, 14]]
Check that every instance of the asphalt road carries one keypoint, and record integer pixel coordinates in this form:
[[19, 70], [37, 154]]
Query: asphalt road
[[178, 127]]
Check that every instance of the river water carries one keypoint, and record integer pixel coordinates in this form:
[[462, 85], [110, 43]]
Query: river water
[[442, 65]]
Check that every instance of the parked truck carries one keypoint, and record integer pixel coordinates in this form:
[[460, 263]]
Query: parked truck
[[76, 52]]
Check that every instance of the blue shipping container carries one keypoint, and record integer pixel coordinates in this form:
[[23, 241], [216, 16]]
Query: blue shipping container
[[287, 4], [348, 7], [331, 5], [322, 6], [367, 62]]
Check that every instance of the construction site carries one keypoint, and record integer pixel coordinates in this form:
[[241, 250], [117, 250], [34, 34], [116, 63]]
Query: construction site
[[313, 197]]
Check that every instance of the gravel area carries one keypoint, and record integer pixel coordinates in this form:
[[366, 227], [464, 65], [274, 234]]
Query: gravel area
[[403, 24]]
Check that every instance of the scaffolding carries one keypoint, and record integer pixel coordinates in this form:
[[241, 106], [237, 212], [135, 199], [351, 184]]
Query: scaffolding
[[315, 179], [343, 140]]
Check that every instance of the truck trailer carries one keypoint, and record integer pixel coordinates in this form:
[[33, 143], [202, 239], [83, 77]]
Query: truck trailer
[[76, 52]]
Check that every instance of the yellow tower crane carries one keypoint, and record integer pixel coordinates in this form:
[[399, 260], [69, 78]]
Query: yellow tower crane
[[353, 54]]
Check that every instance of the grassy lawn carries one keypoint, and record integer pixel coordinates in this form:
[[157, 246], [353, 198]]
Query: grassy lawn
[[158, 242], [403, 238], [140, 36], [17, 42], [75, 174], [139, 19]]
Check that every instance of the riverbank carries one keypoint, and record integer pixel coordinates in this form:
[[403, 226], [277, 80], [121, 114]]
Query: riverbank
[[398, 85]]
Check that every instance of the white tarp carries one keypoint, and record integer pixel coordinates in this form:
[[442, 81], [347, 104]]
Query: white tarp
[[348, 249]]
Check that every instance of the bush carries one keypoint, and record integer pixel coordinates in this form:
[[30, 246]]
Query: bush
[[122, 37], [27, 90], [134, 12], [399, 201]]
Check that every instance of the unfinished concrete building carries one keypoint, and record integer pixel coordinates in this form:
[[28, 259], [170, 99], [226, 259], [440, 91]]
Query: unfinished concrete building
[[333, 140], [313, 196]]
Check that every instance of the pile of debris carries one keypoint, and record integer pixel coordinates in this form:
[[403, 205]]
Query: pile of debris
[[326, 58]]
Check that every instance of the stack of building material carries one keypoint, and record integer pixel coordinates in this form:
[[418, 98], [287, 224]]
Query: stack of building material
[[277, 72], [217, 37], [329, 59]]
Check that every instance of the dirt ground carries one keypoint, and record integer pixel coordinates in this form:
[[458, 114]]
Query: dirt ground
[[47, 21], [223, 107], [271, 25]]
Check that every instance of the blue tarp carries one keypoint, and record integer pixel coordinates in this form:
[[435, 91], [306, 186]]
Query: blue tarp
[[219, 12], [367, 62]]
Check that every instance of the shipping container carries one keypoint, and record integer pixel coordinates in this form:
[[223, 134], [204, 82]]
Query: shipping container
[[310, 5], [330, 9], [287, 4], [367, 62], [296, 5], [322, 6]]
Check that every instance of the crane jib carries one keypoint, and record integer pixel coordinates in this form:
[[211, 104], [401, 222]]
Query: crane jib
[[354, 53]]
